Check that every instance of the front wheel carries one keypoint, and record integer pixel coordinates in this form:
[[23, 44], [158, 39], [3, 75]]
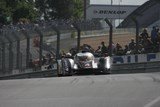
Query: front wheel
[[106, 71]]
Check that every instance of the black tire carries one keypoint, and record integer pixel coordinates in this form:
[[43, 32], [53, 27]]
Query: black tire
[[58, 70], [102, 68], [105, 71], [69, 72]]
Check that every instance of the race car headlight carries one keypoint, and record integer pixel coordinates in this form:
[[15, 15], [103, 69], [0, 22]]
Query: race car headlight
[[94, 65], [75, 66], [108, 64]]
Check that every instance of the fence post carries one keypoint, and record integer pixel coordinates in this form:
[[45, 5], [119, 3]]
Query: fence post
[[20, 65], [78, 36], [40, 45], [28, 47], [10, 53], [110, 36], [3, 58], [0, 58], [58, 41], [18, 50], [137, 32], [3, 55]]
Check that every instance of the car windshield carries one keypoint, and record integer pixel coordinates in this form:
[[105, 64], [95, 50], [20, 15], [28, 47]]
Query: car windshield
[[86, 57]]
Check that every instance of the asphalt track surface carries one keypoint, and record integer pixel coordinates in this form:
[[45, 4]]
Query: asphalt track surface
[[124, 90]]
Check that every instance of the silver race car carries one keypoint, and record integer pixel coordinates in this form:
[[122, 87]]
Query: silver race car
[[83, 63]]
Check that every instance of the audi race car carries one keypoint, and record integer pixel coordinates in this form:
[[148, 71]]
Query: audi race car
[[83, 63]]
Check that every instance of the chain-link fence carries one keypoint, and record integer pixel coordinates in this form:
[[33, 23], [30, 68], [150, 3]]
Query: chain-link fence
[[36, 46], [26, 46]]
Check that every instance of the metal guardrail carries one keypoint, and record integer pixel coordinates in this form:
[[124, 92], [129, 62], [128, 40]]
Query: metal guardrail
[[145, 67], [38, 74]]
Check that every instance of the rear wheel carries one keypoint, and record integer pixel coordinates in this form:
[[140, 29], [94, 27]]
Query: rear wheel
[[59, 74], [64, 69], [102, 66], [105, 71]]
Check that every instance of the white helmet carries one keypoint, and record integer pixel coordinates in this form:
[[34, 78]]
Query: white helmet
[[68, 54]]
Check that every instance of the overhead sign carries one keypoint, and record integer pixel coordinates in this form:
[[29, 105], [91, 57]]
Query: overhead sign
[[109, 11]]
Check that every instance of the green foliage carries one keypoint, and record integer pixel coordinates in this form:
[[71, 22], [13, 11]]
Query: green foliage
[[60, 9], [42, 7], [4, 12], [14, 10], [24, 10], [78, 9]]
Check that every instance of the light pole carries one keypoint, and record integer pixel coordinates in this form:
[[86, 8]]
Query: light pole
[[119, 10], [84, 9], [111, 20], [111, 2]]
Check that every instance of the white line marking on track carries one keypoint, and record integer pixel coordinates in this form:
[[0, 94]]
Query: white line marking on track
[[150, 104]]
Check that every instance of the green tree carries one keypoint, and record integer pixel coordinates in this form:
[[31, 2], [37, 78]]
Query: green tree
[[42, 7], [60, 9], [4, 12], [24, 10], [33, 9], [78, 9], [17, 9], [66, 9]]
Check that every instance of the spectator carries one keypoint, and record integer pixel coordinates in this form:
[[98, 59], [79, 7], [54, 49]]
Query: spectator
[[113, 48], [48, 57], [103, 48], [148, 46], [36, 42], [63, 54], [126, 49], [98, 50], [73, 51], [86, 48], [154, 34], [144, 34], [51, 65], [155, 47], [141, 49], [158, 33], [132, 45], [43, 60], [157, 29], [159, 47], [118, 49]]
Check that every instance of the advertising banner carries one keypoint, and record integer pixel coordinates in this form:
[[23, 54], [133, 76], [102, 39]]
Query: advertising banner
[[109, 11], [151, 57]]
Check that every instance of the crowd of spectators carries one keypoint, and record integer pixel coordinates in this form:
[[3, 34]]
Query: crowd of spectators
[[48, 61], [147, 43]]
